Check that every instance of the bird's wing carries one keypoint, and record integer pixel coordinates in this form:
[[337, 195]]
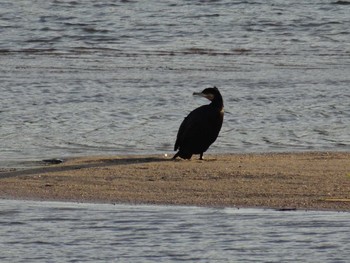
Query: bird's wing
[[181, 133], [192, 126]]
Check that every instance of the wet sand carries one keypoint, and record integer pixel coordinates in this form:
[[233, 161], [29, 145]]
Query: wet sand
[[317, 181]]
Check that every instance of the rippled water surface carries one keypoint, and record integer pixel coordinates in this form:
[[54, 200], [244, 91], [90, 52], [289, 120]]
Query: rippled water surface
[[116, 77], [69, 232]]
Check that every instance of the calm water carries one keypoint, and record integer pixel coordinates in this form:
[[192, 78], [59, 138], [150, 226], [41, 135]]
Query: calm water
[[84, 77], [68, 232]]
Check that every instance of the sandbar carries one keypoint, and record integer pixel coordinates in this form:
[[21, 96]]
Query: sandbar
[[282, 181]]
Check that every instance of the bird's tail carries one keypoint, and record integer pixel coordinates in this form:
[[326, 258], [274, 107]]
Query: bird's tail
[[183, 155]]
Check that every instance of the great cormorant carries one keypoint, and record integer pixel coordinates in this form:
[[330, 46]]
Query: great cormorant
[[201, 127]]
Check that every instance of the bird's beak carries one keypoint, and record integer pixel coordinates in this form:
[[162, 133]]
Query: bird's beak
[[208, 96]]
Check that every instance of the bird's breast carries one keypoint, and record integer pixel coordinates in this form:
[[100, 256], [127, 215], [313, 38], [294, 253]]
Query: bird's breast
[[221, 113]]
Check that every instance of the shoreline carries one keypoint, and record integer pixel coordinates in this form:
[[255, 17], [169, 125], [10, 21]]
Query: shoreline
[[282, 181]]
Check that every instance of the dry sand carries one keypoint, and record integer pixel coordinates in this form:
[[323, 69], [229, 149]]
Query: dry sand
[[318, 180]]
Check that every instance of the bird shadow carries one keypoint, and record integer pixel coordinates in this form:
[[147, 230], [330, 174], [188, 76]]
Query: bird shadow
[[99, 163]]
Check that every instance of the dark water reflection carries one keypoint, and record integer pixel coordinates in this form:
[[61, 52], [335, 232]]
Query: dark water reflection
[[70, 232]]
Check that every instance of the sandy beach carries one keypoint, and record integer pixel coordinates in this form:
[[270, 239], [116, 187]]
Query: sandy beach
[[315, 181]]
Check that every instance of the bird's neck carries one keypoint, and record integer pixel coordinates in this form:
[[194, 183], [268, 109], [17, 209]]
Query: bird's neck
[[218, 103]]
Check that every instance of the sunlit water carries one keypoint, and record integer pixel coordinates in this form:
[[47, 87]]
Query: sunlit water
[[116, 77], [69, 232]]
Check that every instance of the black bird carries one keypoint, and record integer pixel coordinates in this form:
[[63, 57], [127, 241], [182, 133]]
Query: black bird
[[201, 127]]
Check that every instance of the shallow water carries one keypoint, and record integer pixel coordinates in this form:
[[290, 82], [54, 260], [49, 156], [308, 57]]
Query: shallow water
[[70, 232], [82, 78]]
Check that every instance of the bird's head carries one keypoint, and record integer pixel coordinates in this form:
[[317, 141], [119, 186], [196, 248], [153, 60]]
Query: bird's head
[[209, 93]]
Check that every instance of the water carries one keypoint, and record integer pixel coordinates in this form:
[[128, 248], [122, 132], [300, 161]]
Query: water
[[116, 77], [69, 232]]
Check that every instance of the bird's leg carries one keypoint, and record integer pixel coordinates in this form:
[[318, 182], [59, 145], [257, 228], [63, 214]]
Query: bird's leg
[[201, 156]]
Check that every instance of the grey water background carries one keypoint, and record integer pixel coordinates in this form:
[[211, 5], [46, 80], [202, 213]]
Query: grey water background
[[116, 77], [68, 232]]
